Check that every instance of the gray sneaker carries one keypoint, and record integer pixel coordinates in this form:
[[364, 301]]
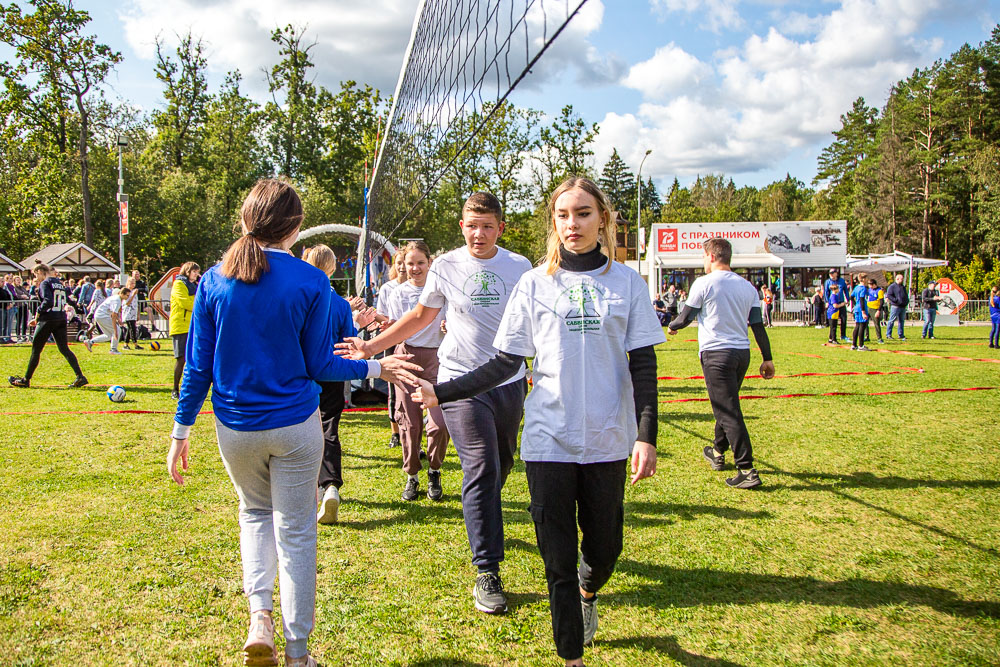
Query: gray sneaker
[[589, 618], [412, 489], [434, 490], [488, 594]]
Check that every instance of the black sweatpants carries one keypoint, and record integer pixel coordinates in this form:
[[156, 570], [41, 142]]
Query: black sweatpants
[[331, 407], [484, 430], [561, 495], [56, 329], [724, 371]]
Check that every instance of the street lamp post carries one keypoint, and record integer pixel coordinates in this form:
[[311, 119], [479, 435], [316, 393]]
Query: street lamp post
[[638, 203], [122, 143]]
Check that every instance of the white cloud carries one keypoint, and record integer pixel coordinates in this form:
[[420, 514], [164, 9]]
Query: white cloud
[[771, 97], [364, 42], [670, 70], [354, 41], [714, 14]]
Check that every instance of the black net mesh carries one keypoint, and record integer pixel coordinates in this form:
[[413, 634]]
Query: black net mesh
[[465, 58]]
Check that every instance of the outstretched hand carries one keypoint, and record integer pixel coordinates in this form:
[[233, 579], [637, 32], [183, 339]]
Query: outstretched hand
[[424, 394], [352, 348], [398, 368], [178, 451], [364, 316], [643, 461]]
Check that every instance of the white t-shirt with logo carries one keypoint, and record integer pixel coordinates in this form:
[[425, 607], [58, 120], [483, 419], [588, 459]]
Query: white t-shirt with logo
[[579, 327], [404, 299], [725, 300], [113, 304], [475, 292]]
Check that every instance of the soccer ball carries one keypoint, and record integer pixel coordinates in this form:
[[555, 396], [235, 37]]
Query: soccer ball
[[154, 345], [116, 394]]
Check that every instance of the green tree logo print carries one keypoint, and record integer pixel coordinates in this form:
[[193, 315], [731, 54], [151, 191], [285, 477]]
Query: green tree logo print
[[579, 308], [484, 288]]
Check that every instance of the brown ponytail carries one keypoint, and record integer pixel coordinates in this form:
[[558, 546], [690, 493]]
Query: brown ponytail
[[269, 215]]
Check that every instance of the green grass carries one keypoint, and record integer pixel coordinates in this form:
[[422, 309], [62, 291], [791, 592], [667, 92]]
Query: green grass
[[874, 540]]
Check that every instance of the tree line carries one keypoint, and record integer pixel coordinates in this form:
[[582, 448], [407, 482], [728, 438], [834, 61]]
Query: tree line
[[919, 175]]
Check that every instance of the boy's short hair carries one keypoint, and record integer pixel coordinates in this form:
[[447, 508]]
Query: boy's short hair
[[721, 248], [485, 203]]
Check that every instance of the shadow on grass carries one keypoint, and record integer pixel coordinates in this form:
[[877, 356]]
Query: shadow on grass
[[664, 511], [679, 587], [865, 480], [418, 511], [665, 646]]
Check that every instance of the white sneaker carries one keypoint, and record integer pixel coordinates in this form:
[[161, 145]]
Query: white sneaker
[[114, 352], [90, 345], [328, 506]]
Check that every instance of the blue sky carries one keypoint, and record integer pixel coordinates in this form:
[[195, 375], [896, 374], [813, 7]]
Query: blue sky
[[748, 88]]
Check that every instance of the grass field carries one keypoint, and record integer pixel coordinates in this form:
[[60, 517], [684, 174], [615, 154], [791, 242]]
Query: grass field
[[875, 540]]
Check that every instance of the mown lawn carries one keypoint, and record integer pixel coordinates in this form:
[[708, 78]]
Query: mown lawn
[[874, 540]]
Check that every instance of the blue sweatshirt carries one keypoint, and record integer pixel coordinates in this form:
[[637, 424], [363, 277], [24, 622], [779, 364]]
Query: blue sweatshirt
[[261, 346], [341, 320]]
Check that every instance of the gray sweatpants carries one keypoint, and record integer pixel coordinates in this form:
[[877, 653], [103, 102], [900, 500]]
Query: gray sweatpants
[[275, 473]]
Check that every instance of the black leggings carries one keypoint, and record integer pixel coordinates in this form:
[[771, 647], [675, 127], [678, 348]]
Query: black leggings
[[131, 332], [860, 331], [56, 329]]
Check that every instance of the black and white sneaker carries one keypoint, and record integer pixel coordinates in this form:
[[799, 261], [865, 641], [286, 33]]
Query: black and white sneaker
[[394, 441], [717, 462], [412, 489], [489, 595], [15, 381], [176, 395], [745, 479], [434, 490], [80, 381], [589, 607]]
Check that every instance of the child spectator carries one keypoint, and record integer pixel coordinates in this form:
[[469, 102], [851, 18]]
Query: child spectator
[[995, 318], [834, 309]]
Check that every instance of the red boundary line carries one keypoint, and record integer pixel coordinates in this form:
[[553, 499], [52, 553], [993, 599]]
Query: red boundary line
[[145, 412], [803, 375], [840, 393]]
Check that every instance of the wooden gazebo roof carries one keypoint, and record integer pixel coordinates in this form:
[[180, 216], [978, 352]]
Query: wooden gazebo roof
[[71, 258]]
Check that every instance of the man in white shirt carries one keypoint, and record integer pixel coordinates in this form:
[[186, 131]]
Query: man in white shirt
[[724, 304], [474, 282]]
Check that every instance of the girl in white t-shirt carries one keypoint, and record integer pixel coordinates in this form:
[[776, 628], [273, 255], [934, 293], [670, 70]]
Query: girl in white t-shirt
[[423, 345], [383, 306], [589, 324]]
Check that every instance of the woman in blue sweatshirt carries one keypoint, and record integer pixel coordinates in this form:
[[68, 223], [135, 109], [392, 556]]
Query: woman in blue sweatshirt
[[261, 336]]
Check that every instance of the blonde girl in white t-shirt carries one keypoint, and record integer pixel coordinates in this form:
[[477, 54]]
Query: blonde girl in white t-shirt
[[589, 324]]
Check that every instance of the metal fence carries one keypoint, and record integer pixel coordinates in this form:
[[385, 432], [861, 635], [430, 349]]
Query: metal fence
[[797, 310], [14, 319]]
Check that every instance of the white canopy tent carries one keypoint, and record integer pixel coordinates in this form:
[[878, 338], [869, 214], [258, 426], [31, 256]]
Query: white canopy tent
[[895, 261]]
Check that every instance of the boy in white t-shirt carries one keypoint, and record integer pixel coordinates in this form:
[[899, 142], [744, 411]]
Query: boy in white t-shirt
[[725, 304], [474, 282], [109, 319]]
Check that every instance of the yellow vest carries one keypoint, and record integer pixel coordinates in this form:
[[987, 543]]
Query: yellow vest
[[181, 305]]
